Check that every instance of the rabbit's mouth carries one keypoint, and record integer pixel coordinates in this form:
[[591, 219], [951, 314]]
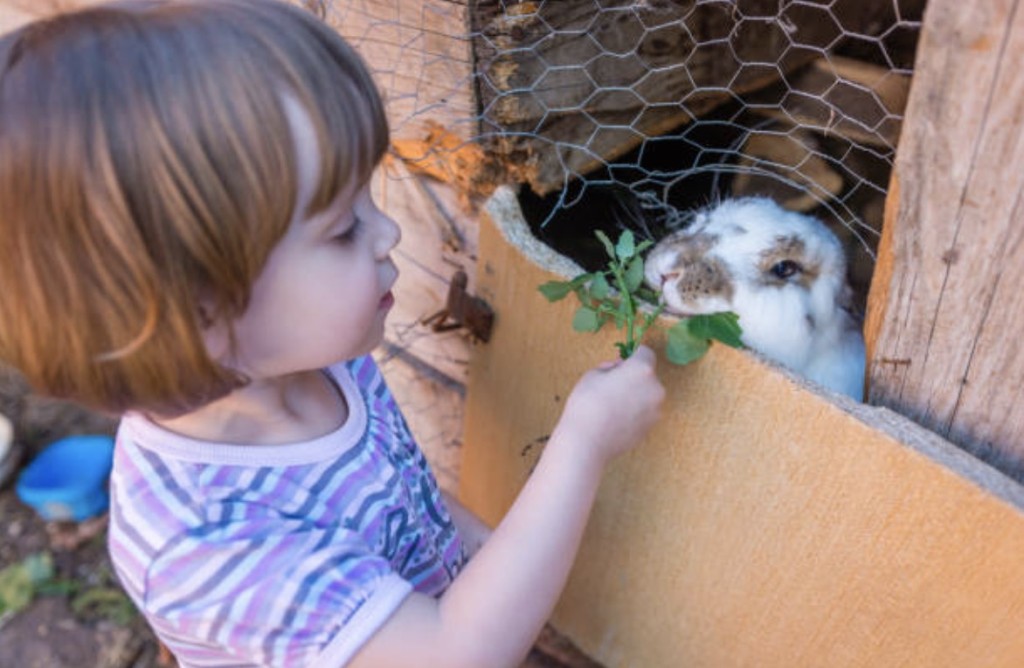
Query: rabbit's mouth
[[678, 312]]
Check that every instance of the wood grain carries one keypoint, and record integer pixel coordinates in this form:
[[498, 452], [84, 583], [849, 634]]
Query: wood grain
[[438, 238], [946, 350], [761, 524], [420, 57], [578, 87]]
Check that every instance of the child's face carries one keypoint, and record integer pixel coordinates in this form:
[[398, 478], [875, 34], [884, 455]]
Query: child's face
[[325, 291]]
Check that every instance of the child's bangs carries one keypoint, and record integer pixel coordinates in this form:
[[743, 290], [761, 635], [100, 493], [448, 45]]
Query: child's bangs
[[307, 59], [353, 139], [348, 116]]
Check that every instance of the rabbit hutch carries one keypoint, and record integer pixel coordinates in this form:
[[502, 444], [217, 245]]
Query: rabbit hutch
[[765, 521]]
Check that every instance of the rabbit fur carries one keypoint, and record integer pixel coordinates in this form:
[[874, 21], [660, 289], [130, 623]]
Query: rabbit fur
[[782, 273]]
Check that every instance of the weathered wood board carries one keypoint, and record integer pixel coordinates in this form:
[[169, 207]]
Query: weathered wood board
[[946, 305], [577, 87], [14, 13], [760, 524], [843, 97], [426, 370], [438, 238], [421, 58]]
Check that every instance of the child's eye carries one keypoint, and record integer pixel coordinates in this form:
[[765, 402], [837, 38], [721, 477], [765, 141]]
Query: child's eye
[[350, 232]]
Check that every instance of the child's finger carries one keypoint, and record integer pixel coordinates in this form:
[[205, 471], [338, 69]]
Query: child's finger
[[643, 354]]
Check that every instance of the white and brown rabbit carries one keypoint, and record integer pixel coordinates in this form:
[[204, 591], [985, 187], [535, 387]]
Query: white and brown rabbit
[[782, 273]]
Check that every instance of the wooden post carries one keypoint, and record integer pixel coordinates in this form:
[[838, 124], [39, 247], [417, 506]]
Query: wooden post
[[945, 310]]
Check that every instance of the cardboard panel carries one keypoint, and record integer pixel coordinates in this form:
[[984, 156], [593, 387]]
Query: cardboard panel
[[761, 524]]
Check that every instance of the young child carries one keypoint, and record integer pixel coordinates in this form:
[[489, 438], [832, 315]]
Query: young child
[[187, 238]]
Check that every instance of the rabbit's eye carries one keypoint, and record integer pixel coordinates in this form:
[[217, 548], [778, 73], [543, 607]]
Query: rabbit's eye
[[785, 269]]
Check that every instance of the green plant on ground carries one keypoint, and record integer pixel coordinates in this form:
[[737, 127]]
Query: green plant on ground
[[22, 582], [105, 602], [615, 294]]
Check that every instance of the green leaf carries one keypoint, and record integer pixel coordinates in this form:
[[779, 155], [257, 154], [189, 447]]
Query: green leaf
[[683, 347], [106, 602], [586, 320], [39, 567], [15, 589], [626, 248], [607, 243], [599, 287], [596, 291], [19, 582], [722, 327], [645, 294], [554, 291], [635, 274]]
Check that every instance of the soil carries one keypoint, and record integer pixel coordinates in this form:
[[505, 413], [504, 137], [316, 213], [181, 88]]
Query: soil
[[57, 631], [51, 632]]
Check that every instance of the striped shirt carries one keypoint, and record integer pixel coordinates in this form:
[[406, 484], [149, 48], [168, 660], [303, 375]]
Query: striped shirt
[[279, 555]]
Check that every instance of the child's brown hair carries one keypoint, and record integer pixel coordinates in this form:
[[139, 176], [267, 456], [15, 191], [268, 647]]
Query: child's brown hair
[[146, 172]]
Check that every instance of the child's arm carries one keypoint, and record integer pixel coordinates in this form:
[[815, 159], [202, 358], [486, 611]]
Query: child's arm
[[491, 614]]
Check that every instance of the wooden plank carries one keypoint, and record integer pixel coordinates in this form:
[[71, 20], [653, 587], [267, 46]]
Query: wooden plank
[[785, 163], [438, 238], [591, 85], [14, 13], [426, 370], [760, 524], [944, 312], [421, 58], [844, 97]]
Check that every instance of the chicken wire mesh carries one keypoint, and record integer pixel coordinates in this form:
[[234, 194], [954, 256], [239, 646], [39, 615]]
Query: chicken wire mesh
[[635, 112]]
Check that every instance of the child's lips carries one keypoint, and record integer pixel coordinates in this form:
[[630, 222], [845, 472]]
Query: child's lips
[[387, 301]]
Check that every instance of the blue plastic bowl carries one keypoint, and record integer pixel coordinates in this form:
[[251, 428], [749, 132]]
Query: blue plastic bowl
[[68, 480]]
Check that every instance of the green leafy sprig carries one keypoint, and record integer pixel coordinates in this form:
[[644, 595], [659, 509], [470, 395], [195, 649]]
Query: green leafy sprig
[[615, 295]]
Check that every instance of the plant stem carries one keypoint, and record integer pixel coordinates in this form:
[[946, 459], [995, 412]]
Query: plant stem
[[630, 309]]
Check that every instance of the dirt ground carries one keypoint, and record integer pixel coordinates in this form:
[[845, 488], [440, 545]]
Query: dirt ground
[[61, 629], [85, 621]]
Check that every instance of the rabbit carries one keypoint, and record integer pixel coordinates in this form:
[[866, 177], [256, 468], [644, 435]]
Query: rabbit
[[782, 273]]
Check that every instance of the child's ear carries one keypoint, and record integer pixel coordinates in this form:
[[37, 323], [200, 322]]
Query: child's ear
[[205, 319], [215, 332]]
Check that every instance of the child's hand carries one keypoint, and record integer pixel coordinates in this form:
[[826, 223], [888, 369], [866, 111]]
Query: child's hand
[[495, 608], [612, 407]]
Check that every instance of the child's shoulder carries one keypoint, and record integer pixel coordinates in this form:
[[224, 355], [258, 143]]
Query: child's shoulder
[[363, 371], [355, 365]]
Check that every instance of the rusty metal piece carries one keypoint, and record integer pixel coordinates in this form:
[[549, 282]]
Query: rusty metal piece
[[463, 310]]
